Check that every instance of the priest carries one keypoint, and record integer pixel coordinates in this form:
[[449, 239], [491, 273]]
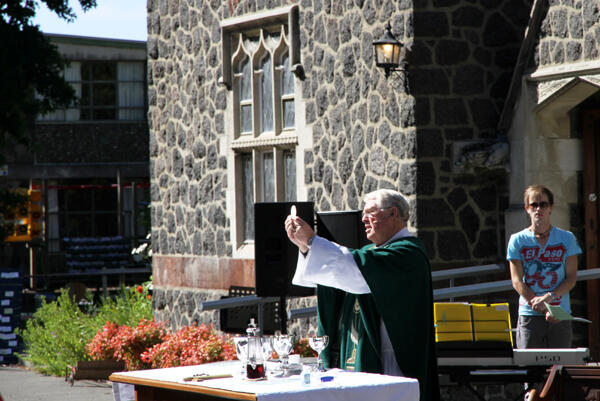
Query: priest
[[374, 303]]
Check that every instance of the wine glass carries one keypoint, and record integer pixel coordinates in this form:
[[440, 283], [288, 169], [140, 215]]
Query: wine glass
[[267, 351], [318, 344], [283, 344], [241, 349], [267, 348]]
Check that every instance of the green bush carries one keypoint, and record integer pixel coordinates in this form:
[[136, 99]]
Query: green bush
[[132, 305], [56, 336]]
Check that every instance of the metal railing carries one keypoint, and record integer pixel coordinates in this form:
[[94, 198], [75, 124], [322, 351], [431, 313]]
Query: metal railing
[[249, 300], [438, 294], [459, 291]]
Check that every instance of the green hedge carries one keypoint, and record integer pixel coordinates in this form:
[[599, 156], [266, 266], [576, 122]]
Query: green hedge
[[56, 336]]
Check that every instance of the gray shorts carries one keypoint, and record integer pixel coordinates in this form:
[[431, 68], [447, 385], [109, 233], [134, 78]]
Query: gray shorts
[[537, 332]]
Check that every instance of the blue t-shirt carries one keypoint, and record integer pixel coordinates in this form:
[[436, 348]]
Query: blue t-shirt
[[543, 268]]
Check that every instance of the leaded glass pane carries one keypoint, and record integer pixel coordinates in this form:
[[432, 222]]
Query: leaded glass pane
[[268, 178], [266, 94], [251, 43], [272, 39], [245, 81], [288, 113], [246, 118], [289, 162], [248, 194], [287, 77]]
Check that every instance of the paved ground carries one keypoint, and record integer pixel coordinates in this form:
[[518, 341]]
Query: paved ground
[[20, 384]]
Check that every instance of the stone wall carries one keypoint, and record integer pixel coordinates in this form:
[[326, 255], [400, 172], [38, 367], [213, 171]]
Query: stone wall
[[91, 143], [367, 132], [569, 33], [460, 69], [186, 114], [179, 306]]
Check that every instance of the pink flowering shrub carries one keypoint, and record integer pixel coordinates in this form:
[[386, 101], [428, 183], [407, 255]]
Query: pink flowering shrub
[[150, 345], [125, 343], [190, 345], [103, 344]]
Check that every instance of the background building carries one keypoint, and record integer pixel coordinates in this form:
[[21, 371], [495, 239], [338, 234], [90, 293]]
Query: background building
[[90, 162]]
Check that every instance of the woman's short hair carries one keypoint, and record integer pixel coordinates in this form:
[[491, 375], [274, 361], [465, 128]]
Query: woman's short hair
[[537, 189], [385, 198]]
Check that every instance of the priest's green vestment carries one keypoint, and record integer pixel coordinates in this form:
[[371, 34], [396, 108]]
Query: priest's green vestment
[[399, 277]]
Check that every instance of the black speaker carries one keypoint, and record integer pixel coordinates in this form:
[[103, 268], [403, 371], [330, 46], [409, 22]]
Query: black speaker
[[275, 255], [344, 228]]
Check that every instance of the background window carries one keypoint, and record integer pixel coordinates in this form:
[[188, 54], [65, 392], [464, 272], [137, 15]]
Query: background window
[[264, 123], [87, 210], [131, 96], [106, 90], [98, 91]]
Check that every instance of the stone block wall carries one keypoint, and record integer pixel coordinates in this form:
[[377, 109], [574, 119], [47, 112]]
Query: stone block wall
[[368, 132], [179, 306], [186, 119], [569, 33], [91, 143], [460, 69]]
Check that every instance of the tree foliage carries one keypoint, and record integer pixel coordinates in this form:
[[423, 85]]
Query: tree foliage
[[31, 76], [30, 67]]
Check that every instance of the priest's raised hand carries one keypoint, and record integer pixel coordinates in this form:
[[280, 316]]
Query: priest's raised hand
[[299, 232]]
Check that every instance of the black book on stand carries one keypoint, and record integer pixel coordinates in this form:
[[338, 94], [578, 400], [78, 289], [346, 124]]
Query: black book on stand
[[275, 255]]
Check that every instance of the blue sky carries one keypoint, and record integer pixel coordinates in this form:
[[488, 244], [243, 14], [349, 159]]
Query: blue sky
[[115, 19]]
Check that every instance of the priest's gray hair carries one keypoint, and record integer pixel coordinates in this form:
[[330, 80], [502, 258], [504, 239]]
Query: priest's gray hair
[[385, 198]]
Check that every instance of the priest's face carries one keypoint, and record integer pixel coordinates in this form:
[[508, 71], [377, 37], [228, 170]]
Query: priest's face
[[380, 223]]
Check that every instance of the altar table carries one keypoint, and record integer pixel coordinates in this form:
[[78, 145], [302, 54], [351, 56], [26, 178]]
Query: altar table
[[168, 385]]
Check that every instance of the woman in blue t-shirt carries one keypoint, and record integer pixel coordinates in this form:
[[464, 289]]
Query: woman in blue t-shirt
[[543, 268]]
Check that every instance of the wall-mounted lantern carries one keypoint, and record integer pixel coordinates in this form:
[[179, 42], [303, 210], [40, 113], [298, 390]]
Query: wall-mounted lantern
[[387, 51]]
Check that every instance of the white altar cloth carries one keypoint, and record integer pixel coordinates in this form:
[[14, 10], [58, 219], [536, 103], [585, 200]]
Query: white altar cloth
[[345, 386]]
